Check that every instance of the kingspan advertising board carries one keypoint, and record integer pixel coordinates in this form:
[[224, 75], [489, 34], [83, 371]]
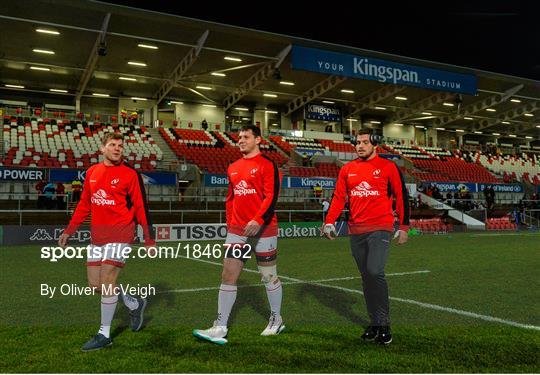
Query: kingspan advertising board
[[384, 71]]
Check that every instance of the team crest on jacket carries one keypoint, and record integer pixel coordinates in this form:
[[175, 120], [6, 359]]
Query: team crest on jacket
[[376, 173], [241, 188], [253, 171], [363, 189], [100, 198]]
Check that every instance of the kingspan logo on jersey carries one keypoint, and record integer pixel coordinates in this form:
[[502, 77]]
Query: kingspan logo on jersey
[[363, 189], [100, 198], [241, 188]]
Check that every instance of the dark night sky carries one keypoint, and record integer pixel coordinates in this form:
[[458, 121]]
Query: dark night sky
[[499, 36]]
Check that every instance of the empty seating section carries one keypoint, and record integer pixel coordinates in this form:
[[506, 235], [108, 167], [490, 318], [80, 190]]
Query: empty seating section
[[193, 137], [525, 167], [281, 143], [213, 151], [500, 223], [343, 150], [435, 151], [337, 146], [304, 143], [433, 225], [387, 149], [453, 169], [288, 144], [411, 152], [330, 170], [188, 145], [69, 144]]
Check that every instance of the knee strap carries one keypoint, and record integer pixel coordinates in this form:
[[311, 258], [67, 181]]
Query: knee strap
[[268, 274]]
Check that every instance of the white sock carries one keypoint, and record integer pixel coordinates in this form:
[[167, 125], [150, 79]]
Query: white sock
[[274, 292], [108, 306], [227, 296], [130, 301]]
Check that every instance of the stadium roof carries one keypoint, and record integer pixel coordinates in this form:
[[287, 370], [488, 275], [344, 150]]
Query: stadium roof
[[161, 41]]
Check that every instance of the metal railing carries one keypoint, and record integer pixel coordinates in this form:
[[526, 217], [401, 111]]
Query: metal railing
[[315, 213], [531, 217], [171, 199]]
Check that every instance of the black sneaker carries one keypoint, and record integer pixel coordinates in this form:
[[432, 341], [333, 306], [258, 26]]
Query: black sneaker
[[371, 333], [137, 316], [97, 342], [385, 336]]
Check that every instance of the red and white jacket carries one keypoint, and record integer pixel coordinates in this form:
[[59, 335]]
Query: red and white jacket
[[375, 190], [254, 185], [116, 198]]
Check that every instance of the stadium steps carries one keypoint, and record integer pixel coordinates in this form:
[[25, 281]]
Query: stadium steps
[[287, 167], [460, 216], [276, 147], [169, 157]]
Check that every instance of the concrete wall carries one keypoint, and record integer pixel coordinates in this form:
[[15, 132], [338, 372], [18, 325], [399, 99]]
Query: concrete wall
[[102, 106], [399, 133], [167, 117], [131, 105], [195, 113]]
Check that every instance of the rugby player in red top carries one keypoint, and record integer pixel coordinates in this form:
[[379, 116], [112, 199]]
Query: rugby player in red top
[[254, 183], [375, 190], [114, 195]]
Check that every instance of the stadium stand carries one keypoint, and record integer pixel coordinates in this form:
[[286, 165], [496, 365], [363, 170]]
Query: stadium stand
[[212, 151], [335, 146], [36, 142], [438, 164], [288, 144], [452, 169], [431, 225], [330, 170], [500, 223], [522, 167], [409, 151], [282, 143]]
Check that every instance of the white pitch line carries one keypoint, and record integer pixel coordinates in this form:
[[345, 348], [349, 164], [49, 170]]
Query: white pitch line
[[431, 306], [358, 277], [288, 282]]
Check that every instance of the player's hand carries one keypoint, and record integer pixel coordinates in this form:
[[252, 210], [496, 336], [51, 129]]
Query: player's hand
[[329, 230], [252, 228], [62, 241], [401, 236]]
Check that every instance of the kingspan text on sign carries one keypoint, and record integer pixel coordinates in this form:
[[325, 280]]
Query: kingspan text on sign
[[383, 71]]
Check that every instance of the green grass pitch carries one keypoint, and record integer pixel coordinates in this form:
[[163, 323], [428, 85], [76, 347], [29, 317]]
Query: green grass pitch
[[460, 303]]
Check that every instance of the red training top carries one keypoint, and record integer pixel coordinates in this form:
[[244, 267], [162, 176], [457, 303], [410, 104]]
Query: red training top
[[116, 198], [370, 187], [253, 192]]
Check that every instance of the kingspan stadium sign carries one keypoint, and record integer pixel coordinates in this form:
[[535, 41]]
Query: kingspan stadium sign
[[342, 64], [321, 112]]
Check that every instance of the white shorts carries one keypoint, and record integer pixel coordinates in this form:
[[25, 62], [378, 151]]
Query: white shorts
[[111, 253], [265, 247]]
